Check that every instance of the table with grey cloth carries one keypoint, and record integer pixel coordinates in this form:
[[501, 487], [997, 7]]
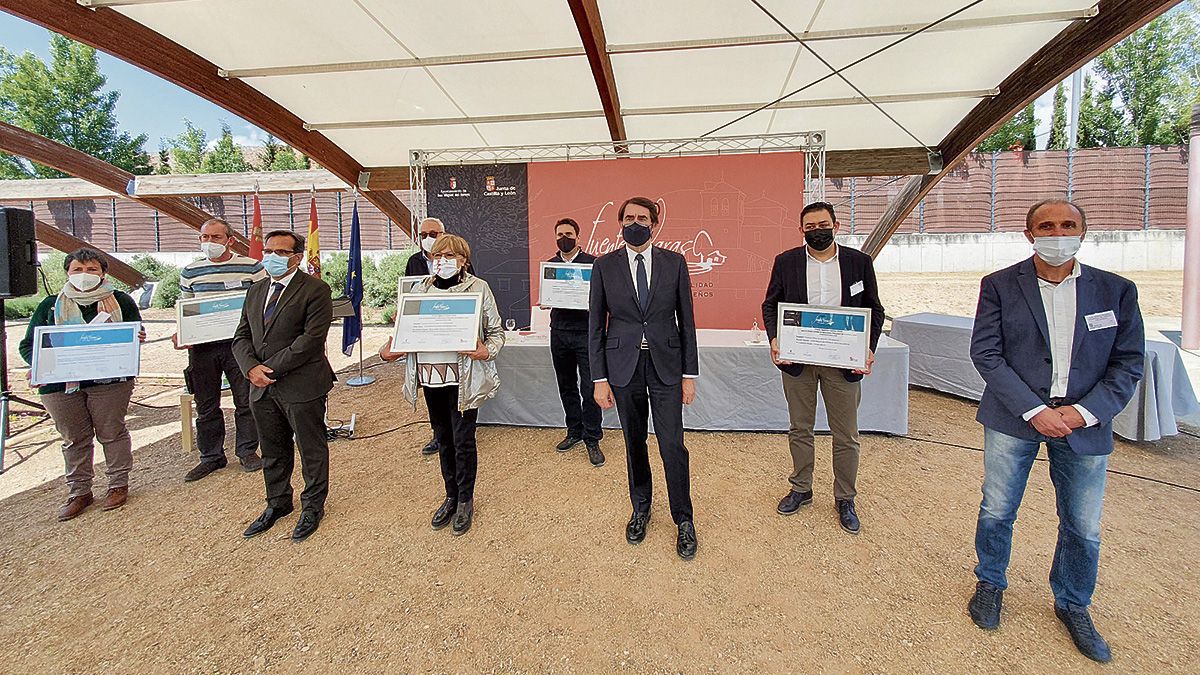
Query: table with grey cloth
[[940, 358], [739, 388]]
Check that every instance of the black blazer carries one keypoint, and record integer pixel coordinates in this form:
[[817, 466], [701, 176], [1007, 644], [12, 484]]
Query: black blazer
[[616, 322], [417, 265], [292, 344], [571, 319], [789, 283]]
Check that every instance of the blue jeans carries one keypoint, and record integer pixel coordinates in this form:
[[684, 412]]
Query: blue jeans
[[1079, 493]]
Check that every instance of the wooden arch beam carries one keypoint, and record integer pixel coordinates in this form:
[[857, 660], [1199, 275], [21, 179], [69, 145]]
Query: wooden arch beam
[[17, 141], [113, 33], [67, 243], [1069, 51], [591, 32]]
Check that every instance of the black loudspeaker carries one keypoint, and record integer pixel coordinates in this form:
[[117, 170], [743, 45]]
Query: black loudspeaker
[[18, 269]]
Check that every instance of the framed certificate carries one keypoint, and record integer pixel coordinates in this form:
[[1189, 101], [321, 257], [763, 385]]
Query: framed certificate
[[824, 336], [439, 322], [77, 352], [208, 319], [405, 285], [565, 285]]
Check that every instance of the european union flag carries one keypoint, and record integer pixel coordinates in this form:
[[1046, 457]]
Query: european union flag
[[352, 325]]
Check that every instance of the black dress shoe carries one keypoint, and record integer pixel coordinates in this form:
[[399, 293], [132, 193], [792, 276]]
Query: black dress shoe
[[251, 463], [685, 545], [567, 443], [431, 448], [846, 515], [309, 520], [444, 513], [203, 469], [635, 531], [793, 501], [1083, 632], [984, 607], [594, 455], [266, 520], [462, 517]]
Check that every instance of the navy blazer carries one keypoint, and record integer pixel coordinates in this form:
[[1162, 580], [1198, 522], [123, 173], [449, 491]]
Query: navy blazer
[[616, 322], [789, 283], [1010, 346]]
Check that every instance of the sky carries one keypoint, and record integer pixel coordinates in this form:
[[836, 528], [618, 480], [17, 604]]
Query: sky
[[151, 105], [148, 104]]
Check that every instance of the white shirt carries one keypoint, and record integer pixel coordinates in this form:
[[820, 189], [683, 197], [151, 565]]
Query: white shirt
[[271, 289], [565, 259], [1058, 301], [824, 280]]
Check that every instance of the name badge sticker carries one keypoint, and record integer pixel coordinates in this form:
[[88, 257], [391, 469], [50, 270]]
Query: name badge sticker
[[1101, 320], [856, 288], [233, 285]]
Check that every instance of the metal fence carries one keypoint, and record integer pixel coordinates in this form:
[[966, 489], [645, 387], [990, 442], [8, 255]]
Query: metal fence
[[1120, 188]]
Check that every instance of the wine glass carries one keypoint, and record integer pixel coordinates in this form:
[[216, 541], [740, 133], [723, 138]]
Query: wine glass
[[510, 324]]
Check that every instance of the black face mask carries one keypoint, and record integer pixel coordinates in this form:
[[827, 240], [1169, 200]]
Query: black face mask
[[635, 234], [819, 239], [566, 244]]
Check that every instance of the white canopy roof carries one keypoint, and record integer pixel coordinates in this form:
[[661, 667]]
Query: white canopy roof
[[382, 77]]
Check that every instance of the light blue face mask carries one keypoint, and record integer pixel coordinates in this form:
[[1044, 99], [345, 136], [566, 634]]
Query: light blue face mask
[[275, 264]]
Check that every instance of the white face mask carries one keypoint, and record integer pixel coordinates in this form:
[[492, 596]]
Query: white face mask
[[427, 243], [212, 250], [1056, 250], [84, 281], [446, 267]]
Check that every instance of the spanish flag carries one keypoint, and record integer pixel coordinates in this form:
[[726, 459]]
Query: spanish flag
[[256, 234], [312, 250]]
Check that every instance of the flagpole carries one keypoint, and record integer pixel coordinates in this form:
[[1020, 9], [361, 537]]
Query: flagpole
[[356, 248]]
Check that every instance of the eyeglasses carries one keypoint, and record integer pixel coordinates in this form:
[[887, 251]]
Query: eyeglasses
[[286, 252], [429, 235]]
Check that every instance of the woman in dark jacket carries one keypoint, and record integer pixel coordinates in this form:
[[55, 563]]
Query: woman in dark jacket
[[90, 409]]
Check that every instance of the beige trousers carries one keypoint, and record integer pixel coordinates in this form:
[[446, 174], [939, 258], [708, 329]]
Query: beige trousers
[[841, 406], [96, 412]]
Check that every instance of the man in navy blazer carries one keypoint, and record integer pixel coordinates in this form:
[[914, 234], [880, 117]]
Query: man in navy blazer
[[822, 273], [642, 344], [1060, 346]]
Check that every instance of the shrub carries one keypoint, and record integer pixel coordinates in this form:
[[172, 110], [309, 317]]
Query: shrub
[[166, 275], [21, 308], [333, 271], [380, 287], [389, 315]]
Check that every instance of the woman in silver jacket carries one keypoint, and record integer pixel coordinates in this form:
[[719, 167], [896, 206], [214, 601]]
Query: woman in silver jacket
[[455, 384]]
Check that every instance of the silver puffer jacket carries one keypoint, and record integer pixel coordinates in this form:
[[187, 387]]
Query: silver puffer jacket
[[477, 380]]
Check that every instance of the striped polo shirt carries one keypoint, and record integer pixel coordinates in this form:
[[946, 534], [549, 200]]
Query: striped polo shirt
[[206, 277]]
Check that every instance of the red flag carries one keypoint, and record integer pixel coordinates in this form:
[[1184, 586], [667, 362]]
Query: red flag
[[312, 252], [256, 233]]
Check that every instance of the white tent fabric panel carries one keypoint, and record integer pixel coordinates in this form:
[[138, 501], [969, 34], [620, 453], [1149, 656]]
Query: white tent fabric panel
[[941, 74]]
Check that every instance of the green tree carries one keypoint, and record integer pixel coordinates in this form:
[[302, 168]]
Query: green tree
[[187, 150], [226, 156], [1101, 124], [65, 101], [1058, 121], [1021, 129], [1152, 75]]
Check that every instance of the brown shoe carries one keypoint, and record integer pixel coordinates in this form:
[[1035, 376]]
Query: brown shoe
[[75, 506], [115, 498]]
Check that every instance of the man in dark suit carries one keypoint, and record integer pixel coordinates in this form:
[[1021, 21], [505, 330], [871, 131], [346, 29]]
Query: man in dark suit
[[280, 346], [569, 351], [642, 339], [822, 273], [1060, 346], [420, 264]]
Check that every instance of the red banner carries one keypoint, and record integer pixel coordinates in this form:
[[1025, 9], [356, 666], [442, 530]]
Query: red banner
[[728, 215]]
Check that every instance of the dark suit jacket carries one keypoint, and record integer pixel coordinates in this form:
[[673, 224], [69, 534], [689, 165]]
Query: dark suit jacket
[[571, 319], [292, 344], [1010, 346], [616, 322], [789, 283], [417, 266]]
